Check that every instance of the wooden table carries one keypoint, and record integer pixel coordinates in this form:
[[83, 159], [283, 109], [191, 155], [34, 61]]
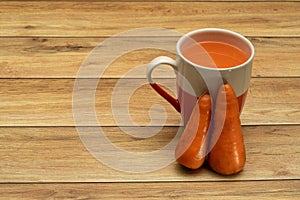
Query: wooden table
[[42, 46]]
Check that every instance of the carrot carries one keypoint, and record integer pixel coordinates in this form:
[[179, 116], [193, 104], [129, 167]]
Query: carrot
[[228, 155], [191, 148]]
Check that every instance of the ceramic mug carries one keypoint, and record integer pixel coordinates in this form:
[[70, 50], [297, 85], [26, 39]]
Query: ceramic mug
[[193, 80]]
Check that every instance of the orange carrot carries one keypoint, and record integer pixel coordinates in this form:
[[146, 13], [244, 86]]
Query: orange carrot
[[191, 148], [228, 155]]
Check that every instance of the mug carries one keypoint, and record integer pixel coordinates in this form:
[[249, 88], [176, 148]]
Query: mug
[[193, 79]]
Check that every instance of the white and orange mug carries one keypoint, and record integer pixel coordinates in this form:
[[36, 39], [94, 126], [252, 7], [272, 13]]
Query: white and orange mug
[[193, 80]]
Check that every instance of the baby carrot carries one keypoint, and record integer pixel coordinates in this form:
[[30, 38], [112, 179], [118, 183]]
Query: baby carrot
[[228, 155], [191, 148]]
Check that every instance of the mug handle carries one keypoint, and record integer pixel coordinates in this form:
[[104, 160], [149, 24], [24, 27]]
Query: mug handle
[[151, 66]]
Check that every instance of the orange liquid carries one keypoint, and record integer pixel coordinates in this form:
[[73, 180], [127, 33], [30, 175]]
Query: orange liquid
[[215, 54]]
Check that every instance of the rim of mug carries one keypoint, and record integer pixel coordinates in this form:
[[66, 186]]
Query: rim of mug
[[203, 30]]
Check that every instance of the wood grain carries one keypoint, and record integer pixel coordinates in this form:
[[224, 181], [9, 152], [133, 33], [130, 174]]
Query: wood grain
[[108, 18], [56, 154], [48, 102], [183, 190], [36, 57], [45, 156], [169, 0]]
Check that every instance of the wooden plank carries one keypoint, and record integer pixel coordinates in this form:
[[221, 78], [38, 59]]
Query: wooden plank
[[168, 0], [49, 154], [62, 57], [108, 18], [48, 102], [186, 190]]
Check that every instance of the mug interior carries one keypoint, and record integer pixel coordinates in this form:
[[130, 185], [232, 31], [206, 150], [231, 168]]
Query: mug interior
[[216, 35]]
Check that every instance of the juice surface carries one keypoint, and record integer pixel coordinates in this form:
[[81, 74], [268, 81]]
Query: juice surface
[[215, 54]]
